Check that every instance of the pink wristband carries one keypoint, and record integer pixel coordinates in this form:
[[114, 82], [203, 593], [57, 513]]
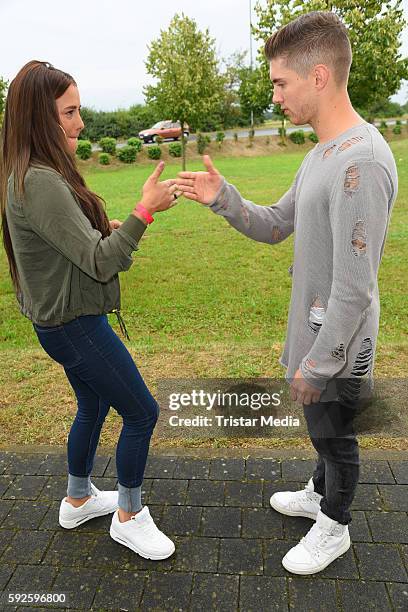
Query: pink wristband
[[145, 214]]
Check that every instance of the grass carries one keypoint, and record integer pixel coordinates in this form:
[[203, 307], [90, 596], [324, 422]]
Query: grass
[[200, 300]]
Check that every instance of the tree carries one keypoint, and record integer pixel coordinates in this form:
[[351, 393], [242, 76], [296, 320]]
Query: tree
[[255, 92], [184, 63], [374, 29], [3, 89]]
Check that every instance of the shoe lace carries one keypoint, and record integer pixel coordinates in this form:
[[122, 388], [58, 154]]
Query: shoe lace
[[304, 496], [147, 525], [314, 540]]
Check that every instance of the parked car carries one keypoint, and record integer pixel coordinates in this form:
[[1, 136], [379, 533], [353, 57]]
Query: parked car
[[164, 129]]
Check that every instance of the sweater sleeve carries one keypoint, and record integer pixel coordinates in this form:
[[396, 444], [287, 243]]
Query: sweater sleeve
[[54, 214], [269, 224], [359, 214]]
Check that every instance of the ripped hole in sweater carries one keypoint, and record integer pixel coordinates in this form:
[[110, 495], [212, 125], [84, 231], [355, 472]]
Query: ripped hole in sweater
[[328, 152], [359, 239], [362, 368], [276, 234], [351, 180], [310, 364], [349, 143], [245, 215], [338, 352], [316, 315]]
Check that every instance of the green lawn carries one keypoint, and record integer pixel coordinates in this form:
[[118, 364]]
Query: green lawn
[[200, 298]]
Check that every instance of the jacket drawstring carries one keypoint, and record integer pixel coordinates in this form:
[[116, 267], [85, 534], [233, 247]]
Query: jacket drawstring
[[121, 323]]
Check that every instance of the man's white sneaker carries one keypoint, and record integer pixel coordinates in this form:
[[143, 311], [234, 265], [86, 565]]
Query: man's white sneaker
[[141, 535], [298, 503], [101, 502], [325, 541]]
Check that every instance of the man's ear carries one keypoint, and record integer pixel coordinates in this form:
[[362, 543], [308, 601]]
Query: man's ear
[[321, 75]]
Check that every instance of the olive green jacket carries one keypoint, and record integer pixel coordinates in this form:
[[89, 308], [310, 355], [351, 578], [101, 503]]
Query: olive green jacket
[[66, 269]]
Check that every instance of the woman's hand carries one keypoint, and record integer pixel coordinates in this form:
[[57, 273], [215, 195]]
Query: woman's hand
[[115, 223], [200, 186], [158, 196]]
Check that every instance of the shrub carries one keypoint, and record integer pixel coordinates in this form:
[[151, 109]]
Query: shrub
[[313, 137], [267, 141], [202, 142], [108, 145], [219, 137], [104, 159], [175, 149], [251, 136], [398, 122], [396, 129], [282, 132], [297, 137], [154, 152], [235, 137], [382, 131], [135, 142], [158, 139], [84, 149], [383, 125], [127, 154]]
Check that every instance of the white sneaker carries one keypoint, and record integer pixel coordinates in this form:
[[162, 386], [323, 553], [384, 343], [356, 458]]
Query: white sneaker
[[326, 540], [298, 503], [141, 535], [101, 502]]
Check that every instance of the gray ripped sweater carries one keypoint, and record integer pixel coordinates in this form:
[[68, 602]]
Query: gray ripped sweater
[[339, 208]]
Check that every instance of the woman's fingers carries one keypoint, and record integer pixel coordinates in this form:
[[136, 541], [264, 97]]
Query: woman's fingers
[[186, 175], [186, 189]]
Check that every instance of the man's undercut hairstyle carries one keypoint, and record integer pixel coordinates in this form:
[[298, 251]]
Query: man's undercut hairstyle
[[319, 37]]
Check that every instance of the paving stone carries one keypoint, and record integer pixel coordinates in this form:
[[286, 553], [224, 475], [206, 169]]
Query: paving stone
[[261, 523], [358, 528], [205, 493], [24, 463], [295, 527], [25, 515], [265, 469], [32, 578], [367, 497], [50, 520], [27, 547], [343, 567], [275, 550], [298, 470], [119, 590], [376, 472], [314, 595], [6, 535], [400, 471], [241, 556], [167, 592], [221, 522], [181, 520], [160, 467], [5, 482], [6, 571], [399, 595], [188, 467], [196, 554], [4, 461], [25, 487], [5, 507], [227, 469], [243, 494], [356, 595], [395, 497], [380, 562], [388, 526], [57, 465], [80, 584], [215, 592], [172, 492], [263, 593], [54, 489], [270, 488], [404, 551], [69, 548]]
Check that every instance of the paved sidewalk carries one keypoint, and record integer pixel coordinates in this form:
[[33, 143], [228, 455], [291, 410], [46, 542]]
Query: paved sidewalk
[[229, 542]]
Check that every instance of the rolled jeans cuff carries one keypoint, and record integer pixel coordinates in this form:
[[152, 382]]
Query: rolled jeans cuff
[[130, 498], [79, 486]]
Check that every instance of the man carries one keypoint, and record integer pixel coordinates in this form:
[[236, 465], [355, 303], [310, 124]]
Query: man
[[339, 208]]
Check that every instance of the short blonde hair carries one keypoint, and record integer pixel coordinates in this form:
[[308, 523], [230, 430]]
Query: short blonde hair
[[319, 37]]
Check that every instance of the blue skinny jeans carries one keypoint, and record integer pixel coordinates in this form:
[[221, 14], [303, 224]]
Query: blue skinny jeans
[[102, 374]]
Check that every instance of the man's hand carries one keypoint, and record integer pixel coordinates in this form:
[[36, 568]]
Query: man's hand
[[115, 223], [302, 392], [200, 186]]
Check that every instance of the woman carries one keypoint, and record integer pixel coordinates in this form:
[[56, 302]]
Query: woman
[[64, 257]]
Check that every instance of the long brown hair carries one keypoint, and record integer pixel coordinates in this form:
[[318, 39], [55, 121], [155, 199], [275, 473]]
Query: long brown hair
[[31, 135]]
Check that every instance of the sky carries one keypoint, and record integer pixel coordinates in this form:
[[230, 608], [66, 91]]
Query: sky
[[103, 43]]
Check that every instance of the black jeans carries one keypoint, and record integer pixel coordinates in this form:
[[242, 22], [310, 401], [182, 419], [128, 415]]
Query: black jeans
[[330, 427]]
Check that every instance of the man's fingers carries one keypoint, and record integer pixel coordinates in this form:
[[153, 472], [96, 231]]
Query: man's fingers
[[186, 175], [186, 189], [209, 165], [169, 182], [157, 172], [191, 196], [182, 182]]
